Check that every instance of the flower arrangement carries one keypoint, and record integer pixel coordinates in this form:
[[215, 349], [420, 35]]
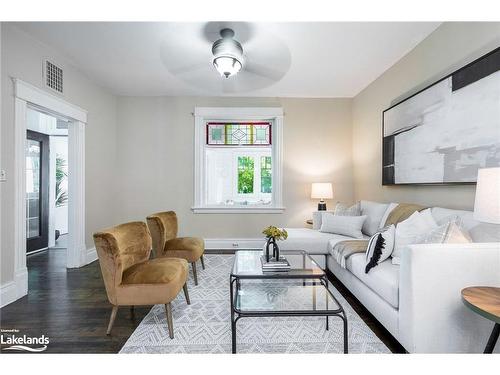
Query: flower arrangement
[[276, 233], [273, 234]]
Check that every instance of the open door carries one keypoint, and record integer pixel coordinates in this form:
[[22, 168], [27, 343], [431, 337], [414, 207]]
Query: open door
[[37, 191]]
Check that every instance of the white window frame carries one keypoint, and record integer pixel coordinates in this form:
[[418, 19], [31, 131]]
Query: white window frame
[[202, 115]]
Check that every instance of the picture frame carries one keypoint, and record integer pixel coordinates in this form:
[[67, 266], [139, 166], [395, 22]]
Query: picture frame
[[432, 138]]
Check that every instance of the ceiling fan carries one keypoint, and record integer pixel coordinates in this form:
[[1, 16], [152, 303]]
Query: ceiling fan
[[228, 54], [247, 57]]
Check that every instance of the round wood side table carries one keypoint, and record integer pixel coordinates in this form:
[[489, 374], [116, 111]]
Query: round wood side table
[[485, 301]]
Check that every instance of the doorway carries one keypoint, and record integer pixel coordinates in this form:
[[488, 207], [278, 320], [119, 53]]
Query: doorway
[[37, 191], [29, 97], [46, 181]]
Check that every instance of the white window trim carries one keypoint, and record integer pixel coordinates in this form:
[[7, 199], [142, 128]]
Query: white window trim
[[204, 114]]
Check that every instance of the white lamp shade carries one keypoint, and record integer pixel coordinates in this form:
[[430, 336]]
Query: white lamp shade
[[321, 190], [487, 203]]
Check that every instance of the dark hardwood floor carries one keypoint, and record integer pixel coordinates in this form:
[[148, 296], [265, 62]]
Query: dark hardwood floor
[[70, 306]]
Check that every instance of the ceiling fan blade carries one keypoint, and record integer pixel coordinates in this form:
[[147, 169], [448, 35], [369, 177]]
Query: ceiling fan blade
[[263, 71], [189, 68]]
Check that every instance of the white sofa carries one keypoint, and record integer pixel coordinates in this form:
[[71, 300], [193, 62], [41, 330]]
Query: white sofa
[[419, 301]]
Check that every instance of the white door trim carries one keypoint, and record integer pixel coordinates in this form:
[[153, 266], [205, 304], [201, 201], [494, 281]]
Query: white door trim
[[29, 95]]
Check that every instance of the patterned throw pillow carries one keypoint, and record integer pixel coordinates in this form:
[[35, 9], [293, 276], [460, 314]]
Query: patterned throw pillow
[[380, 247], [451, 231], [343, 210]]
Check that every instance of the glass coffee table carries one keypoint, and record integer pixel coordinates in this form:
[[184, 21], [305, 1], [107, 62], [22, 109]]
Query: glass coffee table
[[300, 291]]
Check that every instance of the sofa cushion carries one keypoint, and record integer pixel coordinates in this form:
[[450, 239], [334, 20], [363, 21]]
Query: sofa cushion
[[374, 212], [383, 279], [343, 225], [310, 240], [411, 230]]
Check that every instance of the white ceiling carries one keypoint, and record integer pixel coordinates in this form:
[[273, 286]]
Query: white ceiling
[[330, 59]]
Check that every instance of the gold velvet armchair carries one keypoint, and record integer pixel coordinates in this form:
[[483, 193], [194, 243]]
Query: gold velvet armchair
[[163, 227], [130, 278]]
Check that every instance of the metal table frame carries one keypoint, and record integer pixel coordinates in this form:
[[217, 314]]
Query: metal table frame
[[237, 314]]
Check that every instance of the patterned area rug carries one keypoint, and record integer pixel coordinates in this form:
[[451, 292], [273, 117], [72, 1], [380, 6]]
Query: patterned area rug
[[204, 326]]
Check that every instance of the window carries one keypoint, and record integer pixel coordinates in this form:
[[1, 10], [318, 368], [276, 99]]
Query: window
[[245, 174], [266, 181], [238, 160]]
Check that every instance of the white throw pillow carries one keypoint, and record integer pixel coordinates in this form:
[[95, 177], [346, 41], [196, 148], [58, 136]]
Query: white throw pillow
[[345, 225], [380, 247], [317, 219], [343, 210], [409, 231], [374, 212], [391, 207]]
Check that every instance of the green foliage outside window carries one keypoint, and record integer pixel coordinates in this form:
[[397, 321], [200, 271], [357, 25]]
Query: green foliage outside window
[[61, 175], [245, 174], [265, 174]]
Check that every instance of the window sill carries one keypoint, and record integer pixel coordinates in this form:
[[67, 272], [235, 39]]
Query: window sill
[[238, 210]]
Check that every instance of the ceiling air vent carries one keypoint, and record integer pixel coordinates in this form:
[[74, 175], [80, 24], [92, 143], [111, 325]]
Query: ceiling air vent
[[53, 77]]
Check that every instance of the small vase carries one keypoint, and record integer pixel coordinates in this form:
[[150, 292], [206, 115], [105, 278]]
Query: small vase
[[276, 251], [270, 242]]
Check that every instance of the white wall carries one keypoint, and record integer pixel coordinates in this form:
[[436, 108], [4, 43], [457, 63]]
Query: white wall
[[22, 58], [155, 160], [450, 47]]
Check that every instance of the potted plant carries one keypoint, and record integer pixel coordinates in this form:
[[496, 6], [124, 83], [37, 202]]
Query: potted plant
[[274, 234]]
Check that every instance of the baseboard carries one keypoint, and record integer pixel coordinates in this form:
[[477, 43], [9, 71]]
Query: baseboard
[[234, 243], [8, 293], [91, 256], [15, 289]]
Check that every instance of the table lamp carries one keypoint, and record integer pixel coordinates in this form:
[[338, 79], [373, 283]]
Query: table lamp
[[487, 202], [321, 191]]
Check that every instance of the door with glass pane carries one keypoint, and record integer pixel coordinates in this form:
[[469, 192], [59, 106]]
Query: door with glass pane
[[37, 191]]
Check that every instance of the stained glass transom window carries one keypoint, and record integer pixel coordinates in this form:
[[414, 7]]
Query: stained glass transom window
[[240, 133]]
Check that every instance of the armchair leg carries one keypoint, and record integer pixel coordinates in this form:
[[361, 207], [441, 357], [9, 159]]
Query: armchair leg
[[186, 294], [170, 323], [202, 262], [195, 275], [112, 319]]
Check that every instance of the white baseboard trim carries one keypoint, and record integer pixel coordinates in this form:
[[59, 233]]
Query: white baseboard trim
[[8, 293], [15, 289], [91, 256], [234, 243]]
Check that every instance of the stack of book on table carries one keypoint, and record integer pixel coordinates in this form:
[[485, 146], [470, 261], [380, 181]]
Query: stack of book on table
[[274, 265]]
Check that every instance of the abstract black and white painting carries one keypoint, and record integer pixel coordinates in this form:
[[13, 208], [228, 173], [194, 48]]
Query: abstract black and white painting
[[446, 132]]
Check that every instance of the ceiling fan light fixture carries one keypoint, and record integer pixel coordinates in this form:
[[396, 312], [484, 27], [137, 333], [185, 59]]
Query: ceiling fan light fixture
[[228, 54], [227, 66]]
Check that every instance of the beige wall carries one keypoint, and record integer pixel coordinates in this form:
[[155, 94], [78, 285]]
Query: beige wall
[[22, 58], [451, 46], [155, 160]]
